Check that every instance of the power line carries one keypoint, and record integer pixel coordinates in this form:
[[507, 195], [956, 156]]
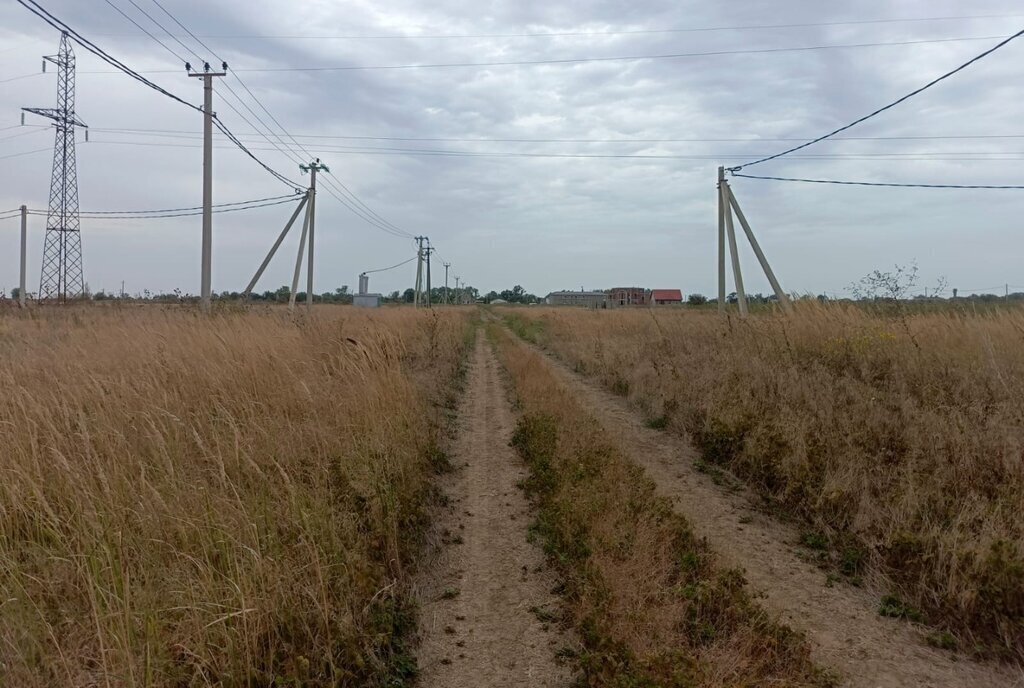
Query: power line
[[434, 153], [18, 78], [186, 29], [398, 265], [615, 58], [152, 215], [60, 25], [178, 133], [37, 128], [164, 29], [893, 104], [31, 152], [361, 209], [42, 13], [612, 32], [277, 175], [889, 184], [146, 31], [198, 207]]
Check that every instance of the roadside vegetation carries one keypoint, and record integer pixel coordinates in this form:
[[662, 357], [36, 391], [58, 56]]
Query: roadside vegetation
[[896, 438], [648, 599], [224, 500]]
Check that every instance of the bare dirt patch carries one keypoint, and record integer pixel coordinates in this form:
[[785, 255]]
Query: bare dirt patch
[[488, 616]]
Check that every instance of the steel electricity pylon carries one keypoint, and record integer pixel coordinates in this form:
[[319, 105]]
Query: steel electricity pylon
[[62, 276]]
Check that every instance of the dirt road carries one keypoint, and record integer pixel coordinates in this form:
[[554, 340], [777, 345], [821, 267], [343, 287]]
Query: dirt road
[[486, 601], [842, 622]]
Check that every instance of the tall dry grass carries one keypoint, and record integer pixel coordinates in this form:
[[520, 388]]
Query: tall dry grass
[[898, 439], [651, 603], [213, 501]]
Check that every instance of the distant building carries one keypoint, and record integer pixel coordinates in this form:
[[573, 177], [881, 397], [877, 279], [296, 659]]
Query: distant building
[[666, 297], [366, 300], [628, 296], [590, 299]]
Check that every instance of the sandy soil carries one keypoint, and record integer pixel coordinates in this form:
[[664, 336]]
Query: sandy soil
[[841, 621], [485, 599]]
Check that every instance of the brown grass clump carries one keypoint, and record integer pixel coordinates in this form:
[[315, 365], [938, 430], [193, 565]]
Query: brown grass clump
[[897, 438], [651, 604], [229, 500]]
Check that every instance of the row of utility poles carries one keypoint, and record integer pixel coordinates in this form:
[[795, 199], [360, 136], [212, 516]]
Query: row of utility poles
[[421, 295]]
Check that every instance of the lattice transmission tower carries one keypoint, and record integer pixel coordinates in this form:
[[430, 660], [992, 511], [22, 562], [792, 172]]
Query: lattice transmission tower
[[62, 277]]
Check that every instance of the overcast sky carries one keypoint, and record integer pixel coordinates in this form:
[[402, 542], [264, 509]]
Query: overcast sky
[[544, 222]]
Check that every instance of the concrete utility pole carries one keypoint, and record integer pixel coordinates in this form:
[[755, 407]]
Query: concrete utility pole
[[430, 249], [721, 240], [446, 266], [417, 291], [205, 279], [298, 259], [24, 257], [458, 292], [277, 244], [727, 205], [312, 168]]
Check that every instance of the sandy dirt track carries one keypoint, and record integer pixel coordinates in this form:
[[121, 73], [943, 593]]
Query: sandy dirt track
[[485, 599], [842, 621]]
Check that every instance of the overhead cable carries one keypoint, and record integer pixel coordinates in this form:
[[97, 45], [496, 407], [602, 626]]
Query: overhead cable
[[612, 58], [893, 104], [398, 265], [362, 210], [615, 32], [60, 25], [152, 215], [889, 184]]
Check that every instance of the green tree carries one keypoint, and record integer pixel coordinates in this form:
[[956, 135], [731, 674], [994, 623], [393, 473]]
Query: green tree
[[696, 299]]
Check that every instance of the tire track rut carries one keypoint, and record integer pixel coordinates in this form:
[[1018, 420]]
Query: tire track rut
[[486, 598]]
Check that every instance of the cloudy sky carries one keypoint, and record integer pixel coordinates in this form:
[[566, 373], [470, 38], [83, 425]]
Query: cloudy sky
[[559, 175]]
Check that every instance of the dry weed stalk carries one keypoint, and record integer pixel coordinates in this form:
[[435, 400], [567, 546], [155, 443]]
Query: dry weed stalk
[[228, 500]]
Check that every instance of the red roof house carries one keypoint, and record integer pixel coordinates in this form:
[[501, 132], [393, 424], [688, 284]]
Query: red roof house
[[662, 297]]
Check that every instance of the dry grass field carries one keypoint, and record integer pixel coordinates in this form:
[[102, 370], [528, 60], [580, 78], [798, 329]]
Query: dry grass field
[[232, 500], [896, 439]]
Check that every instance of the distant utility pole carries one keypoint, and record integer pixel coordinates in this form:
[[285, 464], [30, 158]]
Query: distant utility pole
[[727, 205], [418, 290], [446, 266], [62, 276], [207, 76], [24, 256], [458, 292], [312, 168], [430, 249]]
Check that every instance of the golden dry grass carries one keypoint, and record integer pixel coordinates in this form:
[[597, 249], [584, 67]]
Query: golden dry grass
[[232, 500], [898, 439], [651, 603]]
